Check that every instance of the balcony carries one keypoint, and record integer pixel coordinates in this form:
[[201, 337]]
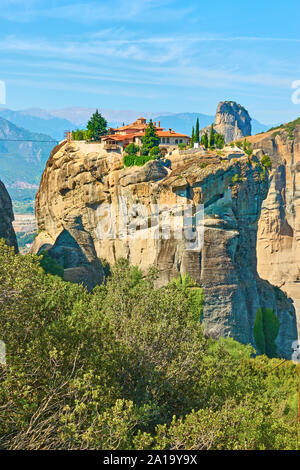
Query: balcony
[[109, 147]]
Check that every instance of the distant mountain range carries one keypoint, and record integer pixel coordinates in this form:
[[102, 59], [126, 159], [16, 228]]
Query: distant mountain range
[[38, 121], [23, 155], [56, 122]]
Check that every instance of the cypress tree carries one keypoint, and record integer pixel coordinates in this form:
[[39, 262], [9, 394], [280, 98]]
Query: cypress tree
[[193, 136], [197, 130], [211, 137], [204, 140]]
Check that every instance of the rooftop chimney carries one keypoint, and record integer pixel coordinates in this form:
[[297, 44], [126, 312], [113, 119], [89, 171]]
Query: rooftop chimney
[[158, 123]]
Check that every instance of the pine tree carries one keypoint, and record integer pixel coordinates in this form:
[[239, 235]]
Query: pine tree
[[97, 126], [197, 130], [150, 139], [212, 137]]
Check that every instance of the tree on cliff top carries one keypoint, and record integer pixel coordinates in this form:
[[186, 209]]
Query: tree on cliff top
[[150, 139], [97, 126], [204, 140], [197, 130], [211, 137]]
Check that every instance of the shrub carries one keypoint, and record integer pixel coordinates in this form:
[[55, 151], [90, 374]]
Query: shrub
[[266, 161], [50, 266], [81, 134], [132, 149], [128, 367], [129, 160], [235, 178], [155, 152], [247, 147], [266, 328], [219, 141]]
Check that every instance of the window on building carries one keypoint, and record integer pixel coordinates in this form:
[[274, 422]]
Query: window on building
[[176, 141], [168, 140]]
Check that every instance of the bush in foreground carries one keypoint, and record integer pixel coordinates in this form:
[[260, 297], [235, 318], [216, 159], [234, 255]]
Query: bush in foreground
[[128, 367]]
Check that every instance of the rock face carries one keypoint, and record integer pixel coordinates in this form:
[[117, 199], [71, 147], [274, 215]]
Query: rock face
[[81, 183], [278, 244], [6, 218], [232, 120]]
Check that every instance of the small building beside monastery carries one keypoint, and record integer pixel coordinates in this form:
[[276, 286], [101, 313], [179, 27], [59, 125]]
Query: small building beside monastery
[[134, 133]]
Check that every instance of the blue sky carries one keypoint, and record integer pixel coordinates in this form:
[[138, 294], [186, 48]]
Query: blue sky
[[152, 55]]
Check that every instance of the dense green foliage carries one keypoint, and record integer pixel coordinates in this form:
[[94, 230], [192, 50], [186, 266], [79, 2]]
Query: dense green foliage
[[81, 134], [219, 141], [150, 138], [138, 160], [97, 126], [132, 149], [266, 328], [266, 161], [139, 156], [204, 140], [128, 367], [50, 266]]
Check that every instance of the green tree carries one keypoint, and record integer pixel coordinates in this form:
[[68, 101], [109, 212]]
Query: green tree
[[204, 140], [97, 126], [219, 141], [197, 130], [132, 149], [150, 138], [211, 137], [193, 137]]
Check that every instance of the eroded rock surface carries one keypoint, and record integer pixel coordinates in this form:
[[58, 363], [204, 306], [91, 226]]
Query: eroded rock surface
[[6, 218], [278, 245], [232, 121], [79, 183]]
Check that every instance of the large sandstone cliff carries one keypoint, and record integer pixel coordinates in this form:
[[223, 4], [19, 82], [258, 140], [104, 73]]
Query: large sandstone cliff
[[6, 218], [232, 121], [81, 178], [278, 245]]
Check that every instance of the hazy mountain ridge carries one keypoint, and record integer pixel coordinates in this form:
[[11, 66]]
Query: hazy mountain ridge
[[22, 157], [56, 122], [38, 122]]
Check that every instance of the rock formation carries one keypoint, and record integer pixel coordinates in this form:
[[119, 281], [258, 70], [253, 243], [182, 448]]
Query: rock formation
[[82, 182], [232, 121], [6, 218], [278, 245]]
